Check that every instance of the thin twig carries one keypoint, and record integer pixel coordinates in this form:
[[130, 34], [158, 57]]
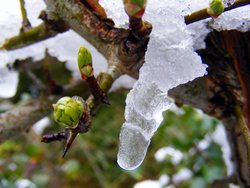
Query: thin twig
[[244, 130], [202, 14]]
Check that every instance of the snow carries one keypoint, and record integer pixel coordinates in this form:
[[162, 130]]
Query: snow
[[219, 136], [183, 175], [24, 183], [163, 153], [163, 181], [39, 126]]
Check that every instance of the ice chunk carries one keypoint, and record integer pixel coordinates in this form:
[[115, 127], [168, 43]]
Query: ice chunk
[[133, 142], [169, 61]]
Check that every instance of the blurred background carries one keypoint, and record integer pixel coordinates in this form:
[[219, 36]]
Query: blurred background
[[188, 150]]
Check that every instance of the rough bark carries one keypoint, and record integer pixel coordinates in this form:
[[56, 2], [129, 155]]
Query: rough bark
[[222, 90]]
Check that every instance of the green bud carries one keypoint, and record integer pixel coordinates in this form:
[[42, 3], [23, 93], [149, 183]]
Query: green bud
[[135, 8], [84, 57], [68, 111], [216, 8], [85, 62]]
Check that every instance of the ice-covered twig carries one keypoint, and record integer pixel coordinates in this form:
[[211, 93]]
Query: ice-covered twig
[[202, 14]]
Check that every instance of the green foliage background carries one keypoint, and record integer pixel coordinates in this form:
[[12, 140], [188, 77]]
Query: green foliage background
[[91, 162]]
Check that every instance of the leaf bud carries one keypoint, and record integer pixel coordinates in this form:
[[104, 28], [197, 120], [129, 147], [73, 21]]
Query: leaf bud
[[216, 8], [68, 111], [85, 62]]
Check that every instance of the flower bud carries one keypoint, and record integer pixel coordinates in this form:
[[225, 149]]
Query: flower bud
[[85, 62], [135, 8], [68, 111], [216, 7]]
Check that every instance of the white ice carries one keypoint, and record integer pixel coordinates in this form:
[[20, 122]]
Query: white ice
[[169, 61]]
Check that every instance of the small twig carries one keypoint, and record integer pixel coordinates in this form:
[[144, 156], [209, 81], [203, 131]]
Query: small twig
[[54, 137], [96, 91], [202, 14], [97, 8], [25, 23], [53, 87]]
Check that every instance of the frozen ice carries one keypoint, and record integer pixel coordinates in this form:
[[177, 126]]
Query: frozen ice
[[169, 61], [134, 143]]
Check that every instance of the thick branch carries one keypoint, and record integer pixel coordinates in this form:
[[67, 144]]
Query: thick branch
[[15, 121], [202, 14]]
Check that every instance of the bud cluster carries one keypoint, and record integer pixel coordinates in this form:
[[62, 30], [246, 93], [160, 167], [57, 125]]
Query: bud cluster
[[68, 111]]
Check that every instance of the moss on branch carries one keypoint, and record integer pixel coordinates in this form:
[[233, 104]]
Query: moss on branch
[[30, 36]]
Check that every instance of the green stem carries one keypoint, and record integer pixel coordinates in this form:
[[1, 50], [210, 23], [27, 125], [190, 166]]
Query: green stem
[[105, 81], [244, 130], [202, 14]]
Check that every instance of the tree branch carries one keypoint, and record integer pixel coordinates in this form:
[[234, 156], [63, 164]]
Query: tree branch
[[99, 33], [21, 118], [30, 36]]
